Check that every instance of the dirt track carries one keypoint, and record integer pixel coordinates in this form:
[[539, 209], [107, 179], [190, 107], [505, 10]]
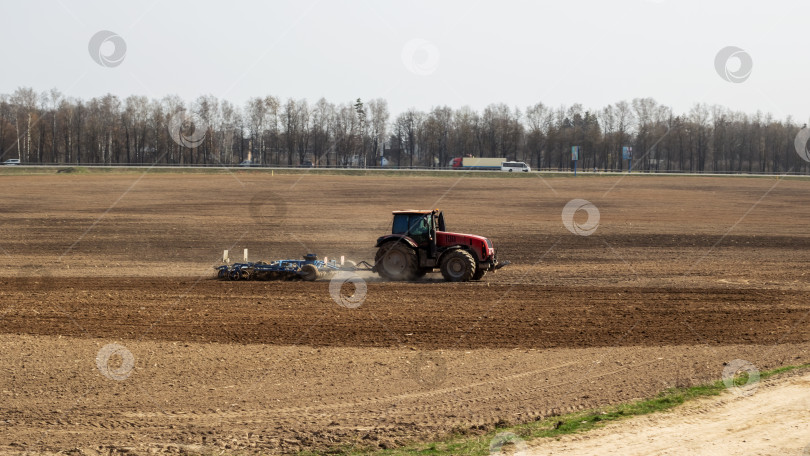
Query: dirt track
[[730, 424], [681, 276]]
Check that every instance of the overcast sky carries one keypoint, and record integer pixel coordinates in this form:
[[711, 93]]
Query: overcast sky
[[418, 54]]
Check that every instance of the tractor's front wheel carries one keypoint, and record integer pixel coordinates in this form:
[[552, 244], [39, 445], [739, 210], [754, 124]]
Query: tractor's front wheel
[[396, 261], [458, 266]]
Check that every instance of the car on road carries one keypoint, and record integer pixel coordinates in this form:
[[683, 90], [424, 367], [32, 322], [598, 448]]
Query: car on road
[[12, 161], [515, 166]]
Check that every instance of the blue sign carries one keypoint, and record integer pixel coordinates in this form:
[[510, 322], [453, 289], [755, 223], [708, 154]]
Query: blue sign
[[627, 153], [574, 153]]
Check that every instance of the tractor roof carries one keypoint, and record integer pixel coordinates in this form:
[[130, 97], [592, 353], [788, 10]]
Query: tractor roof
[[426, 211]]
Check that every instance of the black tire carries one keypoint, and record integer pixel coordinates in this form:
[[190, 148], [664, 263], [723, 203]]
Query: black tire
[[458, 266], [396, 261], [234, 274], [479, 273], [309, 272], [510, 170]]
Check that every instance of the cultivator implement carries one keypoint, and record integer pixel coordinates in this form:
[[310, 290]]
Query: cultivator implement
[[308, 269]]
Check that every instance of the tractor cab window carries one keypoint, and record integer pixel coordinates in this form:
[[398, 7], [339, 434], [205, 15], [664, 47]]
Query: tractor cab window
[[416, 226], [420, 225], [401, 224]]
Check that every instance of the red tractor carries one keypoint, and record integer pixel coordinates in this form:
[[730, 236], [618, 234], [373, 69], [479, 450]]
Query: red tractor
[[418, 244]]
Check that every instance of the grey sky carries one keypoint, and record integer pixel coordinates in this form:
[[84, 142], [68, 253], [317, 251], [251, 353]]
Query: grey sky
[[465, 53]]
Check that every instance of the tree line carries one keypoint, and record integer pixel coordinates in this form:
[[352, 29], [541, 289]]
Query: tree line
[[50, 128]]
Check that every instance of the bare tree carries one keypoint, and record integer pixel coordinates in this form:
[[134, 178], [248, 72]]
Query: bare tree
[[25, 100], [322, 122], [50, 128], [304, 130], [378, 127], [256, 112], [408, 125]]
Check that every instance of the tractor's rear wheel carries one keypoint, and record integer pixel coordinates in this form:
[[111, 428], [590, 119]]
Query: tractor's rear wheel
[[309, 272], [479, 273], [396, 261], [458, 266]]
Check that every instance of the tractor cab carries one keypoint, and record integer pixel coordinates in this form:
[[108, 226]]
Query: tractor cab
[[421, 226], [419, 243]]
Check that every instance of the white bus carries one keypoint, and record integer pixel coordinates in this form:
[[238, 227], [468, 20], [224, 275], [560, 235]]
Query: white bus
[[515, 166]]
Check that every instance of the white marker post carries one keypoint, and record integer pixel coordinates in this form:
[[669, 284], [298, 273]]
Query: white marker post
[[246, 256], [225, 258]]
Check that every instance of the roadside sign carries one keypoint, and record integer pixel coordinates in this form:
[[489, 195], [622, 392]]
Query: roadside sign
[[574, 153], [627, 153]]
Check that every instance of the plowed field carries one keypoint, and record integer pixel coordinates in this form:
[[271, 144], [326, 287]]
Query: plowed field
[[681, 276]]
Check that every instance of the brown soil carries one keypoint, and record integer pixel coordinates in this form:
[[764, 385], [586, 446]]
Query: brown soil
[[429, 315], [681, 276]]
